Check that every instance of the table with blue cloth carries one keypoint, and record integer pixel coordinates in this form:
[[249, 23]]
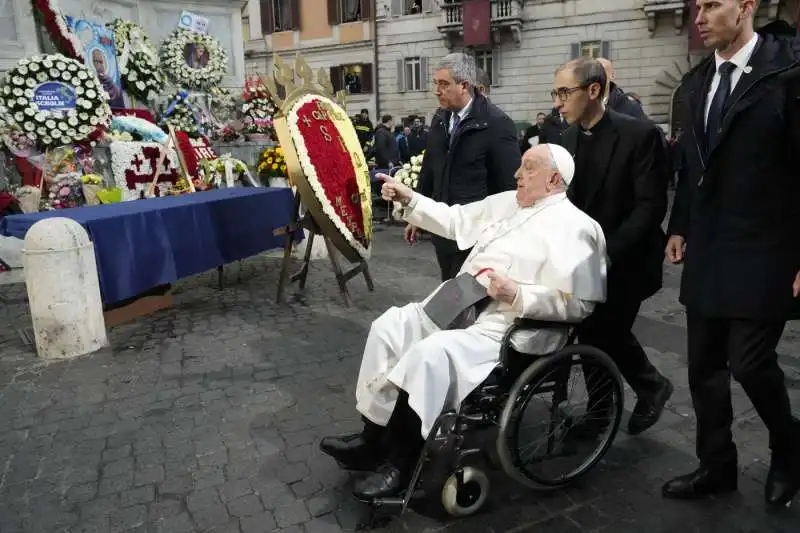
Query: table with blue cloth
[[144, 244]]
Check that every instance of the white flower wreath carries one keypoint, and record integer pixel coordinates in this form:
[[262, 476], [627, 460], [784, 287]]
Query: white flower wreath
[[138, 61], [175, 61], [61, 126]]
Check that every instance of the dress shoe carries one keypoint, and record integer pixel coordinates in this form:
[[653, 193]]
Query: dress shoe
[[387, 482], [352, 452], [783, 483], [701, 483], [647, 412]]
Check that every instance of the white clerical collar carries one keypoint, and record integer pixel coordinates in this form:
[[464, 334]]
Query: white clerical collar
[[740, 58]]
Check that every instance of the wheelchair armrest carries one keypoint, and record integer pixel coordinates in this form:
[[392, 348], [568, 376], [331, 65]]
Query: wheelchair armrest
[[521, 324]]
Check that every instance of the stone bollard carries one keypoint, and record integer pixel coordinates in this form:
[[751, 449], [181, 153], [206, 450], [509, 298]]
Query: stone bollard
[[63, 289]]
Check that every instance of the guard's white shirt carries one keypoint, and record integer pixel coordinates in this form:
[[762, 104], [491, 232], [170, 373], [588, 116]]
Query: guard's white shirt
[[740, 59], [552, 250]]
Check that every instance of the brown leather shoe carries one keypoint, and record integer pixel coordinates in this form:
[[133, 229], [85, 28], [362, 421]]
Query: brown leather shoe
[[701, 483]]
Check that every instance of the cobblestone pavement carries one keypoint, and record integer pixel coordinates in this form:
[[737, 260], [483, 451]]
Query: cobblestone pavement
[[206, 418]]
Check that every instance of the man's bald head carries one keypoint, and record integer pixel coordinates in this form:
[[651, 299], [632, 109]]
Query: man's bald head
[[608, 67]]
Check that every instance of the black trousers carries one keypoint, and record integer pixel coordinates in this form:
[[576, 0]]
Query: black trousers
[[609, 329], [450, 262], [719, 348], [401, 440]]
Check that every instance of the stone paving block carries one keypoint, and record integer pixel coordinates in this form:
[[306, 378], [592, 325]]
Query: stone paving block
[[128, 519], [203, 400], [261, 523]]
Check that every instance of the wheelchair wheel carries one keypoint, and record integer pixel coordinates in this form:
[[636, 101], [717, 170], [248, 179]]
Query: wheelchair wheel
[[566, 441], [467, 498]]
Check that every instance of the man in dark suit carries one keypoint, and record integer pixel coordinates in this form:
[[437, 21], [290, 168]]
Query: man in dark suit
[[387, 154], [620, 181], [471, 150], [552, 128], [734, 225]]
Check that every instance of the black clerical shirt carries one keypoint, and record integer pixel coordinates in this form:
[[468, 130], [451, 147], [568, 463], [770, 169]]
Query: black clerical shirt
[[587, 164]]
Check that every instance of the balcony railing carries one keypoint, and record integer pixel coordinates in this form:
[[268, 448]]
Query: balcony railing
[[502, 11]]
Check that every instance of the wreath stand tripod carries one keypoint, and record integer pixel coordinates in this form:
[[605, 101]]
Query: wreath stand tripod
[[307, 222]]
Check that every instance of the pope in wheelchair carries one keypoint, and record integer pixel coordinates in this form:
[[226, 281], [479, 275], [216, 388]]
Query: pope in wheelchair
[[537, 256]]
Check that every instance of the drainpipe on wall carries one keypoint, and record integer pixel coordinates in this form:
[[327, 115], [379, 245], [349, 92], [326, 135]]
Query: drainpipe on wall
[[375, 70]]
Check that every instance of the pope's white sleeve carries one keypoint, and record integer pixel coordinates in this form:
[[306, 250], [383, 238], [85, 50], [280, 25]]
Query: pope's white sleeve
[[461, 223], [542, 303]]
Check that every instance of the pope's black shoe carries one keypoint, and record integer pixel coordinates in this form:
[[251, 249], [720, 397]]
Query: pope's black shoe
[[387, 482], [701, 483], [783, 483], [352, 452], [647, 412]]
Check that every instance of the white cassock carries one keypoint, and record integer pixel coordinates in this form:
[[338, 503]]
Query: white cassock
[[554, 251]]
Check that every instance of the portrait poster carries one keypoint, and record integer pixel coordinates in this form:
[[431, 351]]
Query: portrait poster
[[100, 54]]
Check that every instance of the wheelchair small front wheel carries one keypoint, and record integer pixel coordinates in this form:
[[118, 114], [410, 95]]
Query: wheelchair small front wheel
[[466, 497]]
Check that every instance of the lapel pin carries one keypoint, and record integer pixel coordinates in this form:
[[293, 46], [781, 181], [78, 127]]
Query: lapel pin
[[748, 69]]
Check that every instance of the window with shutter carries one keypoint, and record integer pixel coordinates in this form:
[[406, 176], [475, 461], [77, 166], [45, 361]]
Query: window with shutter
[[355, 78], [401, 76], [295, 14], [591, 49], [366, 78], [605, 49], [336, 78], [423, 71], [494, 72], [333, 12], [267, 22], [397, 7], [575, 50], [427, 6], [350, 10], [366, 9]]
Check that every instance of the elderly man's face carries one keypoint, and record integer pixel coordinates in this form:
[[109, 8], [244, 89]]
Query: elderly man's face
[[99, 62], [535, 176]]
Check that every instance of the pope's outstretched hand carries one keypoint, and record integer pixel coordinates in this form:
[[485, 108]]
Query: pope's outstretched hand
[[394, 191]]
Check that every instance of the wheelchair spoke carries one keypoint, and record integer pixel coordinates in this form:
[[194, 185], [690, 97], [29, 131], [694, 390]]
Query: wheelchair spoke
[[565, 419]]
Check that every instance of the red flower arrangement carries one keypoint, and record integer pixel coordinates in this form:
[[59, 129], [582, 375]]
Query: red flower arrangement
[[54, 22], [194, 149], [329, 166]]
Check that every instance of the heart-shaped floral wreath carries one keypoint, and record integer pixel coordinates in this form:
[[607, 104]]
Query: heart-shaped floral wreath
[[333, 164]]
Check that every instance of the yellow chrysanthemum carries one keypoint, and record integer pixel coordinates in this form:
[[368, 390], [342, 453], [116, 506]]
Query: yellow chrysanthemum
[[274, 166]]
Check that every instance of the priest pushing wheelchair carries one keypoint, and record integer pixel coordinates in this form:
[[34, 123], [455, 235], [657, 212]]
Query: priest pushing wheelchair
[[493, 348]]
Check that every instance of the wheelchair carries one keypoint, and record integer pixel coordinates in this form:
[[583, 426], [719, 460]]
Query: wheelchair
[[501, 403]]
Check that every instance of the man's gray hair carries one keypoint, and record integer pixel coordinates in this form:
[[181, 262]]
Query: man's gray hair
[[461, 66], [587, 71]]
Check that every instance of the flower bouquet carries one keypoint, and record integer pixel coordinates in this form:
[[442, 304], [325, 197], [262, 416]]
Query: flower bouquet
[[66, 191], [138, 61], [179, 114], [223, 170], [29, 198], [272, 167], [408, 175], [257, 110], [92, 184]]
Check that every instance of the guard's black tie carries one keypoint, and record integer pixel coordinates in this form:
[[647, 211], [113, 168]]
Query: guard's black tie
[[714, 122]]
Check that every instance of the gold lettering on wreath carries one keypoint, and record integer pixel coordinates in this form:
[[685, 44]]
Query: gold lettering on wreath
[[325, 134]]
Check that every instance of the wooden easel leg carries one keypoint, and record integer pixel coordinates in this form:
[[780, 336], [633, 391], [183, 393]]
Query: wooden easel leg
[[287, 248], [367, 276], [341, 280], [302, 274], [287, 257]]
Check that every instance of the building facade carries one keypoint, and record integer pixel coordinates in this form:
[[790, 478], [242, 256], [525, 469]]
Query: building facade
[[647, 40], [335, 35]]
